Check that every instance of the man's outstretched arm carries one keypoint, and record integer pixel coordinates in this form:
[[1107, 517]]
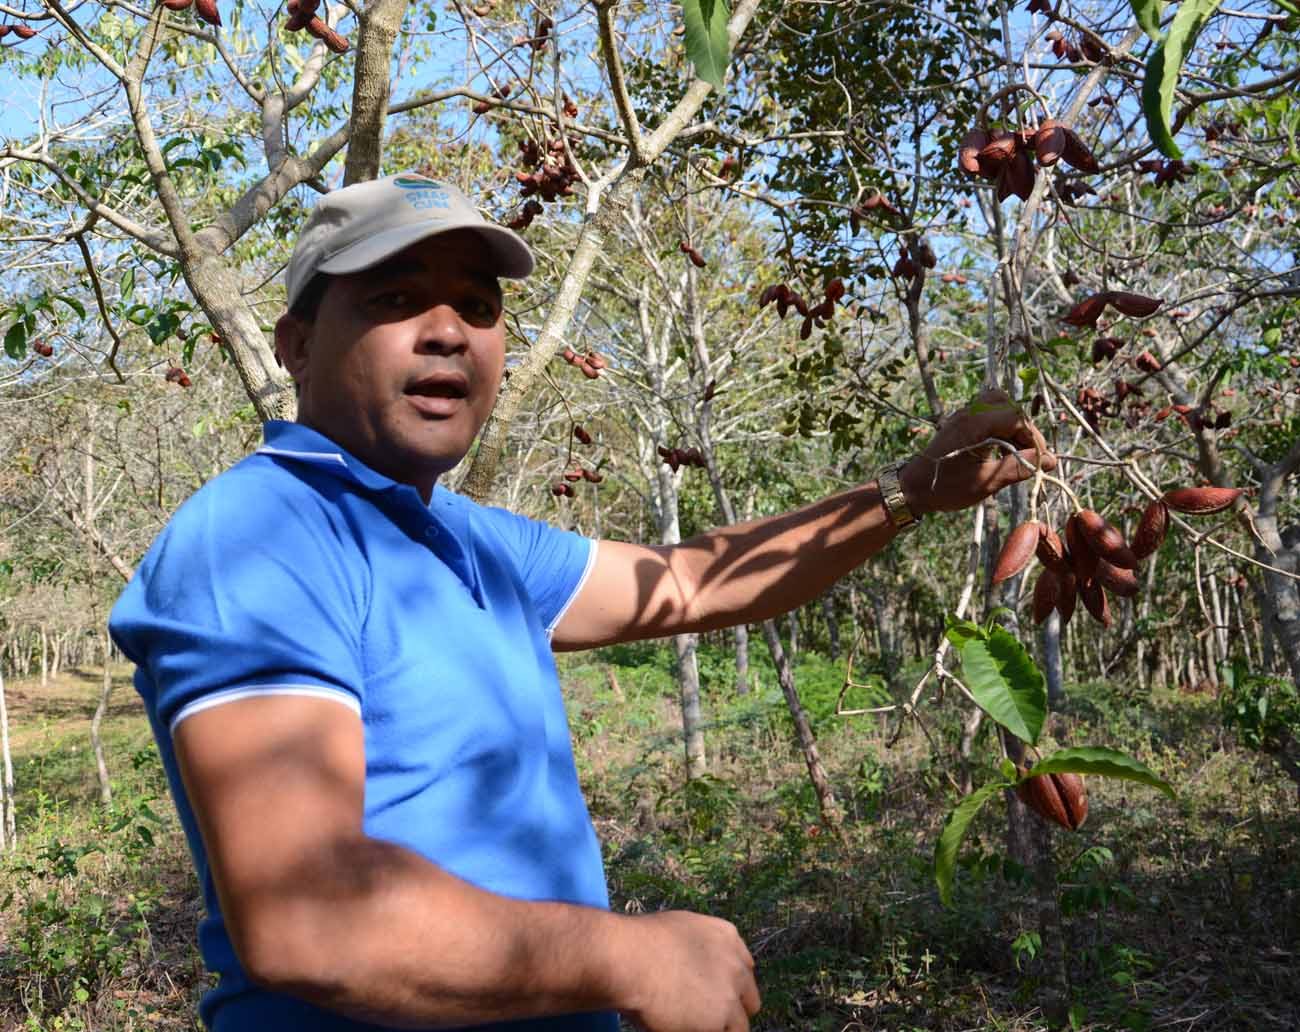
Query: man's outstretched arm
[[317, 909], [757, 570]]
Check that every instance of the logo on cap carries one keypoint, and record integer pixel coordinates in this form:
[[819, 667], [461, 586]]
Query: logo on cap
[[423, 193]]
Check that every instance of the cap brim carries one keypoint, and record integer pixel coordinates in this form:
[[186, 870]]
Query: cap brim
[[513, 258]]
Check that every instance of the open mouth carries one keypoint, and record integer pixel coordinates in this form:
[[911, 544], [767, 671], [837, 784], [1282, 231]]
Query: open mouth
[[449, 386]]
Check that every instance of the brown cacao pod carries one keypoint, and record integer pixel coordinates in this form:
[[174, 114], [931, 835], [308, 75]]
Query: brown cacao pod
[[1135, 305], [1049, 549], [1000, 148], [1083, 560], [23, 31], [1117, 579], [1068, 596], [1087, 311], [1047, 590], [177, 5], [1020, 175], [1076, 153], [1105, 539], [1049, 142], [1060, 798], [1095, 601], [972, 143], [207, 11], [1017, 551], [1201, 501], [1151, 530]]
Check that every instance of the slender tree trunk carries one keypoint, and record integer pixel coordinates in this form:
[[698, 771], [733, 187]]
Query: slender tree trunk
[[1052, 668], [96, 742], [792, 618], [8, 819], [688, 683], [826, 803], [832, 625], [969, 729], [740, 638]]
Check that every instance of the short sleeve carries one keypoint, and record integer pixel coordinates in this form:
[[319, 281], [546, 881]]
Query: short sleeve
[[251, 589], [553, 563]]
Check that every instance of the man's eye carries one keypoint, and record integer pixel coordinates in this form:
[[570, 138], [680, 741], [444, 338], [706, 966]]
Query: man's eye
[[391, 299]]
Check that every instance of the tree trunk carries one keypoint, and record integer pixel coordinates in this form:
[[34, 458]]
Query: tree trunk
[[96, 743], [8, 820], [1282, 614], [740, 635], [970, 728], [688, 682], [45, 662], [792, 618], [1052, 669], [832, 625], [826, 803]]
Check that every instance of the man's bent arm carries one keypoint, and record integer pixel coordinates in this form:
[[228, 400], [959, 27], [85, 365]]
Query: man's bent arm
[[317, 909]]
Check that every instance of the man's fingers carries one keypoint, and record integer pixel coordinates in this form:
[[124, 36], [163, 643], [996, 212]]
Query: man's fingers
[[750, 998]]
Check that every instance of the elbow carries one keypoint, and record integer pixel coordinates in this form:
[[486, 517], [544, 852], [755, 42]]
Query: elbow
[[279, 955]]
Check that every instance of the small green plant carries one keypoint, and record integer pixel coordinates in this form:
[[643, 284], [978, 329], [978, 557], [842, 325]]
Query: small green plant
[[1264, 713]]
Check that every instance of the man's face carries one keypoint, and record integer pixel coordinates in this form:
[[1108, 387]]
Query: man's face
[[402, 364]]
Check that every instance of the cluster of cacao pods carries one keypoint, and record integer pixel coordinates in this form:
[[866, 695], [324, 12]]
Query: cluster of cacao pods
[[911, 260], [589, 364], [564, 486], [553, 173], [21, 31], [1169, 172], [697, 259], [815, 315], [42, 348], [676, 457], [177, 376], [873, 202], [1059, 798], [1092, 557], [954, 277], [1086, 47], [302, 16], [1195, 417], [1004, 156], [1088, 311]]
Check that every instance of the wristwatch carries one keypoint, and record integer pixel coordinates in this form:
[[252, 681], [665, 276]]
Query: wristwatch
[[895, 504]]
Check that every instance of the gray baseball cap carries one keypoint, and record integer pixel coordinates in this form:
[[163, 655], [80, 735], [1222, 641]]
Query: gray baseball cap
[[361, 225]]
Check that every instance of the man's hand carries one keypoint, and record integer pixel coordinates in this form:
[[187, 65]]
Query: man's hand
[[694, 975], [958, 469]]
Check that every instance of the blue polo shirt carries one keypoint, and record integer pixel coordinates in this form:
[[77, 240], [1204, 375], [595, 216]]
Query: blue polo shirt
[[301, 571]]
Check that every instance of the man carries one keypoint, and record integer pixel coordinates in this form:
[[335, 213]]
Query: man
[[349, 669]]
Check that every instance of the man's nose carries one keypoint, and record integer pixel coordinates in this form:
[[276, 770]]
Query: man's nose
[[441, 329]]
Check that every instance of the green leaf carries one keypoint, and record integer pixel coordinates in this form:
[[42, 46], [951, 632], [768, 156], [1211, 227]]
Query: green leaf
[[16, 340], [1006, 683], [1164, 66], [128, 284], [1107, 763], [74, 304], [959, 632], [945, 853], [1149, 13], [706, 39]]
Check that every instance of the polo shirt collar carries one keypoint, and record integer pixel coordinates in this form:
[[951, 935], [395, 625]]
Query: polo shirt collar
[[300, 443]]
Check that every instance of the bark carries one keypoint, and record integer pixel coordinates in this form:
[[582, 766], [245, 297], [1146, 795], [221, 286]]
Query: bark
[[379, 21], [8, 819], [970, 728], [826, 802], [1052, 668], [688, 683], [96, 742], [832, 625], [45, 661], [740, 639]]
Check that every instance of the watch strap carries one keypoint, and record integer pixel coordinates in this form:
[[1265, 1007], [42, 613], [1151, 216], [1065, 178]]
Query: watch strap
[[891, 490]]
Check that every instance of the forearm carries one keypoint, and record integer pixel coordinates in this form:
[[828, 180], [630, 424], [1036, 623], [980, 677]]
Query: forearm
[[382, 935], [754, 571]]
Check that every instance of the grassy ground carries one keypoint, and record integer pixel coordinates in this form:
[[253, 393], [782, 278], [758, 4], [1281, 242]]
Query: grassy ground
[[1179, 914]]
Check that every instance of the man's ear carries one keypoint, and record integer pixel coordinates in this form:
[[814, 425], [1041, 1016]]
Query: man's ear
[[292, 336]]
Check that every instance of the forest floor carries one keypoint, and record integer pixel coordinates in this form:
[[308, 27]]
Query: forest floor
[[1177, 914]]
